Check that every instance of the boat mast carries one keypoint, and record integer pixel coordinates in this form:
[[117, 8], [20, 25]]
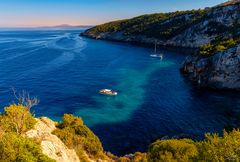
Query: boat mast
[[155, 50]]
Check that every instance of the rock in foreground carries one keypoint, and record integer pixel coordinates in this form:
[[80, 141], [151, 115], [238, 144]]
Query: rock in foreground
[[51, 145]]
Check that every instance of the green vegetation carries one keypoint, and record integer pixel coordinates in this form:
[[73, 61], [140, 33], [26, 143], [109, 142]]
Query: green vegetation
[[172, 151], [14, 147], [213, 149], [217, 46], [17, 118], [137, 157], [164, 26], [161, 25], [77, 136], [230, 38]]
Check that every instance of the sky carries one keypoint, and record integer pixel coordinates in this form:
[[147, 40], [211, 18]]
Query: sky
[[35, 13]]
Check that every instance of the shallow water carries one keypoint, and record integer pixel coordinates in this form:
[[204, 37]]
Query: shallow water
[[66, 72]]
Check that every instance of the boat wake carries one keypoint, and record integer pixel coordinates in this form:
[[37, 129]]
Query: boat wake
[[67, 42], [65, 53]]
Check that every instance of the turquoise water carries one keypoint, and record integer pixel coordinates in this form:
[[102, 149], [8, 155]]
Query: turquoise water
[[66, 72], [130, 86]]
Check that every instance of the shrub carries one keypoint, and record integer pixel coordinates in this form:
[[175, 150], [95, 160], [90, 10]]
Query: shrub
[[174, 150], [123, 159], [15, 148], [215, 148], [217, 46], [17, 118], [137, 157], [220, 48], [77, 136]]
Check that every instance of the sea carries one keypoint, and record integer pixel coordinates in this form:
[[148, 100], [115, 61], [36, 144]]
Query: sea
[[66, 71]]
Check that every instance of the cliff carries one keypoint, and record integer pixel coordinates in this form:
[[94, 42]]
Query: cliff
[[220, 71], [51, 145], [179, 29], [54, 147]]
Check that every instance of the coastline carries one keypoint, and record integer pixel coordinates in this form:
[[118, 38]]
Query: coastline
[[179, 49]]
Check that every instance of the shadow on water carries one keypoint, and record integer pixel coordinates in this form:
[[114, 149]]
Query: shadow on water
[[150, 122]]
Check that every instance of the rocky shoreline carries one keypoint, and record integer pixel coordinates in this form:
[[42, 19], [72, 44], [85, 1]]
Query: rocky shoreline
[[218, 71]]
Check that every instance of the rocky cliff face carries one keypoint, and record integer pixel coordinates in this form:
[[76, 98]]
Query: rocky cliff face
[[220, 71], [216, 22], [51, 145]]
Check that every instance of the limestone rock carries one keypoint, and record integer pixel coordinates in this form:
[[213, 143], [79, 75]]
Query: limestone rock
[[220, 71], [51, 145]]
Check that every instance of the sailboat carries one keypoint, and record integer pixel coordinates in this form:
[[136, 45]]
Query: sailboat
[[155, 52]]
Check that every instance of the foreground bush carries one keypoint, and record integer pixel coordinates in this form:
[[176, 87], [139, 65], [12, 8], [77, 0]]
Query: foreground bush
[[174, 150], [15, 148], [137, 157], [17, 118], [221, 149], [77, 136], [213, 149]]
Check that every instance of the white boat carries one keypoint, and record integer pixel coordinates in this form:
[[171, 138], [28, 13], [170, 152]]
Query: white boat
[[155, 53], [108, 92]]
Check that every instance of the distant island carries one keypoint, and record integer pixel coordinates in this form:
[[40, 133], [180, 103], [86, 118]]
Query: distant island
[[214, 33], [67, 26]]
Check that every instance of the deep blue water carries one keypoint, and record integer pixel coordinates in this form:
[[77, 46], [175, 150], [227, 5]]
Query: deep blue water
[[66, 72]]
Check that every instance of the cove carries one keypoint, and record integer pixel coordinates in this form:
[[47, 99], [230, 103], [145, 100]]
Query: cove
[[66, 72]]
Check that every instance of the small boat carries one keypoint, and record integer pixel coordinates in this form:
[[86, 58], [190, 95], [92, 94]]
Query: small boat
[[108, 92], [155, 52], [157, 55]]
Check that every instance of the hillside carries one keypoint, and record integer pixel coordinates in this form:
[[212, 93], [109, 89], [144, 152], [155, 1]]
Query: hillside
[[210, 31], [146, 28], [179, 29]]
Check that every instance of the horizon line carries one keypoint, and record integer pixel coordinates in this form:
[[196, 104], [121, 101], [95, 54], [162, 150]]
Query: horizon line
[[49, 26]]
